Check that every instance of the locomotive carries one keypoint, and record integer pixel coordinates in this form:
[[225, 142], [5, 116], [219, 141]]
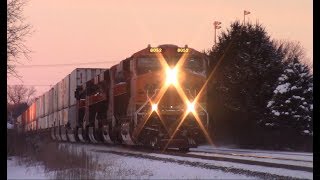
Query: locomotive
[[156, 97]]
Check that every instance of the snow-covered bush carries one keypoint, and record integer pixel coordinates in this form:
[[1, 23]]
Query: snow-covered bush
[[291, 106]]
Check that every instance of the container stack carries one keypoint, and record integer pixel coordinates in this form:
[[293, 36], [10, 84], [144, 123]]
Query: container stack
[[57, 107]]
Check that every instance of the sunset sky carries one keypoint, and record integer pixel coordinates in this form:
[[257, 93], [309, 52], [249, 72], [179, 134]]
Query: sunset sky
[[82, 31]]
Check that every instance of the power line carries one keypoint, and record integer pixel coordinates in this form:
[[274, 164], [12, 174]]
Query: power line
[[70, 64], [29, 85]]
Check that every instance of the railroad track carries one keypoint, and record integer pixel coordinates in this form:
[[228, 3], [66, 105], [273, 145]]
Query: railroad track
[[252, 156], [120, 149]]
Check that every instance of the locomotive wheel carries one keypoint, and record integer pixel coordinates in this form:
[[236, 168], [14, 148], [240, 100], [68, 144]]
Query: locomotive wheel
[[53, 137], [106, 134], [82, 135], [63, 133], [71, 136], [91, 136], [125, 133]]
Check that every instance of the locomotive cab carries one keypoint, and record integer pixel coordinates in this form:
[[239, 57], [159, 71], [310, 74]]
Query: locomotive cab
[[167, 109]]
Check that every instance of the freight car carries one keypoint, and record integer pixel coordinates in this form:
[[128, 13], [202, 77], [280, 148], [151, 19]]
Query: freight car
[[156, 97]]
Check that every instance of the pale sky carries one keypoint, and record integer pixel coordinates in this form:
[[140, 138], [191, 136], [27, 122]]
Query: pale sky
[[82, 31]]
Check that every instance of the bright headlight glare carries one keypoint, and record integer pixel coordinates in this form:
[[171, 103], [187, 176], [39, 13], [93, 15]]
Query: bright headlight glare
[[190, 107], [171, 76], [154, 107]]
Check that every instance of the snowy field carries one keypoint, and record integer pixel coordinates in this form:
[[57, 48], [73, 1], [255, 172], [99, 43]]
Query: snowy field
[[119, 167], [122, 163], [16, 171]]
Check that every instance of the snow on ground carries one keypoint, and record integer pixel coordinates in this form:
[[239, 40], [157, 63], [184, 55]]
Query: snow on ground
[[260, 159], [155, 168], [9, 126], [252, 152], [125, 166], [254, 168], [16, 171]]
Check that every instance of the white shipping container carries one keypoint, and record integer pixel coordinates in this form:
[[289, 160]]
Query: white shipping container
[[38, 106], [50, 120], [47, 120], [55, 97], [46, 105], [66, 101], [72, 116], [65, 116], [42, 123], [40, 126], [55, 119], [42, 107], [91, 73], [60, 118], [50, 104], [43, 126], [63, 93], [60, 94], [80, 76]]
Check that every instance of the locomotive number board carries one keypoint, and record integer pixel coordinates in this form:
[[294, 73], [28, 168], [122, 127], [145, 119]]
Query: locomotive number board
[[159, 50]]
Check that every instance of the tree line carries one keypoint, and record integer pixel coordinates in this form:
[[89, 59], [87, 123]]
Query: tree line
[[260, 93]]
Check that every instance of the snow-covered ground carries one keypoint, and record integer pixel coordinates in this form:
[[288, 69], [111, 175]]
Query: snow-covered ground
[[269, 159], [16, 171], [104, 152], [121, 167], [282, 154], [258, 154], [117, 162], [9, 126], [134, 168]]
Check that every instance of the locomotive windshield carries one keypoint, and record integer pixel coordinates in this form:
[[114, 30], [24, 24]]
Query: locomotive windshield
[[148, 64], [151, 64], [195, 65]]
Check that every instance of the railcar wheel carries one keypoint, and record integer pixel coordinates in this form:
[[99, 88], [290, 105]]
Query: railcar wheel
[[71, 136], [91, 135], [106, 134], [126, 133], [57, 131], [53, 133], [63, 132], [80, 135]]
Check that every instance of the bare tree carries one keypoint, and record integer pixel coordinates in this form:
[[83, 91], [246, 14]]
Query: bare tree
[[17, 31], [293, 49], [17, 94]]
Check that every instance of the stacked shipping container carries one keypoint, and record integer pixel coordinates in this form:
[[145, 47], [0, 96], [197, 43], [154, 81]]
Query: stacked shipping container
[[58, 105]]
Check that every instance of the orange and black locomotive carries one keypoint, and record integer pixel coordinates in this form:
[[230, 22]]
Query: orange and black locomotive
[[156, 97]]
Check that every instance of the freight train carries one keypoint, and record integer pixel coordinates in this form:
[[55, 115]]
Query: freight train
[[156, 98]]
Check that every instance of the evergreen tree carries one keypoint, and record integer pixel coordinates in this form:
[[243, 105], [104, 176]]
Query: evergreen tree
[[291, 107], [244, 80]]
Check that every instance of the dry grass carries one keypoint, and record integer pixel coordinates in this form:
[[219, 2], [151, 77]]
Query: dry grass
[[61, 161]]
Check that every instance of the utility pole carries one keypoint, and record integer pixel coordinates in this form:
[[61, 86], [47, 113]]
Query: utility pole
[[244, 16], [216, 25]]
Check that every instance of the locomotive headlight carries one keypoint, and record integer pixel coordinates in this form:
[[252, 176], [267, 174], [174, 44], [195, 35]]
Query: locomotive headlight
[[172, 74], [190, 107], [154, 107]]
